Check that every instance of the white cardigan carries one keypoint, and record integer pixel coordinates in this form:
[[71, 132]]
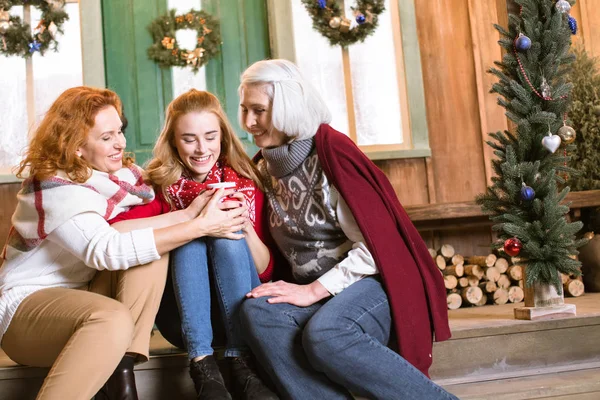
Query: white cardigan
[[69, 257]]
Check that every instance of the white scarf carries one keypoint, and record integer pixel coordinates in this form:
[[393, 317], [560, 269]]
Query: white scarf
[[45, 205]]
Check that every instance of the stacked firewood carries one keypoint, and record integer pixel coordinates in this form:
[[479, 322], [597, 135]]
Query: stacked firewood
[[489, 279]]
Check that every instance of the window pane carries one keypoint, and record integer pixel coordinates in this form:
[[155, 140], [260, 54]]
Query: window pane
[[375, 85], [13, 108], [183, 78], [55, 72], [321, 64]]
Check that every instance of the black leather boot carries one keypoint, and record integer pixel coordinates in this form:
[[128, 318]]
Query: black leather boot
[[246, 383], [121, 384], [208, 380]]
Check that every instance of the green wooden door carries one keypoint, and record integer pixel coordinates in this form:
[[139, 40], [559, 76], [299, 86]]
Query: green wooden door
[[146, 89]]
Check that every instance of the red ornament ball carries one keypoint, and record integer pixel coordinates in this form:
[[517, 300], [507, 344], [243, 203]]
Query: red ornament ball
[[513, 247]]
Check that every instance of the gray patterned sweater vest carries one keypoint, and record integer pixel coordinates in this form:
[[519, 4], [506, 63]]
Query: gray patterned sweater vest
[[302, 220]]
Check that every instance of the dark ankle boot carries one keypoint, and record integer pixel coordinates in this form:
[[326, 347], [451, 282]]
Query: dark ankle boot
[[247, 384], [121, 384], [208, 380]]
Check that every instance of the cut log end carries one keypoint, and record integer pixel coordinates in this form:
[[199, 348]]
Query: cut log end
[[515, 294], [574, 288], [454, 301]]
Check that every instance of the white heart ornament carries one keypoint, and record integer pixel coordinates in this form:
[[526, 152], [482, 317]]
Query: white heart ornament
[[551, 143]]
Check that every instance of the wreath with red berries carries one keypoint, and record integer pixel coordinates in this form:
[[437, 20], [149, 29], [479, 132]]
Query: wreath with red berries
[[16, 37], [166, 50], [329, 19]]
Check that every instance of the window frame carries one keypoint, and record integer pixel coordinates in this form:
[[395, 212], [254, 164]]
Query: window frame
[[416, 138]]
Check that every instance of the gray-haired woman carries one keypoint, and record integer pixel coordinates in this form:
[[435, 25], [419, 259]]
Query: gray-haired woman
[[357, 268]]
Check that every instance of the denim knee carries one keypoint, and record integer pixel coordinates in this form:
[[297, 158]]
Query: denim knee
[[325, 336], [253, 311]]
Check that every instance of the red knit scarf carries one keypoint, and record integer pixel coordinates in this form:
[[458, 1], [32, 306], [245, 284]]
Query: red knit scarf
[[185, 190]]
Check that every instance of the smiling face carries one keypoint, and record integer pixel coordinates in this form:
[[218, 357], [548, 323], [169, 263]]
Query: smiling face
[[105, 143], [256, 117], [198, 142]]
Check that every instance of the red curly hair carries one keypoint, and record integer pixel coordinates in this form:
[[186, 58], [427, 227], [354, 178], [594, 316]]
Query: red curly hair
[[65, 129]]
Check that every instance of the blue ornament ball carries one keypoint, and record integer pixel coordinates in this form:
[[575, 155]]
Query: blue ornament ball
[[573, 24], [360, 19], [523, 43], [527, 193], [322, 3]]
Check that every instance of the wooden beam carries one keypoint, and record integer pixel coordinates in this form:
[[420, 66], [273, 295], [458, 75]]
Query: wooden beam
[[470, 209]]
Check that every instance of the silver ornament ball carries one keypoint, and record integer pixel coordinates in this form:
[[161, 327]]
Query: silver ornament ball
[[567, 134], [335, 22], [563, 6]]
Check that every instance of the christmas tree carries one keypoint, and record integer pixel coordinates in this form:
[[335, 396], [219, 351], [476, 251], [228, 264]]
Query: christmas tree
[[524, 200], [585, 114]]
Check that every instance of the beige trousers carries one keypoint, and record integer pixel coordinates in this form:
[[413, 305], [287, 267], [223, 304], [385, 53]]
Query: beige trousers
[[83, 334]]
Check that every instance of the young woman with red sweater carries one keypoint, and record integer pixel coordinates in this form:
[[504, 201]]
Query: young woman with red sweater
[[196, 148]]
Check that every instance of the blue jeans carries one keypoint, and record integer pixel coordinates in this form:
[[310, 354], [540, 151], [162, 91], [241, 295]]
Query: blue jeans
[[332, 347], [234, 275]]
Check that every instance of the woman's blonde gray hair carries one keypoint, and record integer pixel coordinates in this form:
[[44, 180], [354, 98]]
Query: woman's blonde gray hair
[[297, 108]]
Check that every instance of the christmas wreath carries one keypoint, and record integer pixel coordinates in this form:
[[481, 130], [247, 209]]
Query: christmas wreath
[[16, 38], [330, 21], [167, 52]]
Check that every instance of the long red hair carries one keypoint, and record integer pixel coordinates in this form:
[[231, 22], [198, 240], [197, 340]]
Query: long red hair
[[65, 129]]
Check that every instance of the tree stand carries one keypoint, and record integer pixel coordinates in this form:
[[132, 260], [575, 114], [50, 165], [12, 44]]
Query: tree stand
[[543, 302]]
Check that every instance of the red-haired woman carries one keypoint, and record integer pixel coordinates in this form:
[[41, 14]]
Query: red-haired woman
[[56, 309]]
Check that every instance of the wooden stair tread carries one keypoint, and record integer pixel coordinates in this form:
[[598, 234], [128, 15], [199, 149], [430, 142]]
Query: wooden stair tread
[[584, 382]]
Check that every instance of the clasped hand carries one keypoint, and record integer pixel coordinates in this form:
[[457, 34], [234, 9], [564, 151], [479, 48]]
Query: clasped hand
[[220, 218]]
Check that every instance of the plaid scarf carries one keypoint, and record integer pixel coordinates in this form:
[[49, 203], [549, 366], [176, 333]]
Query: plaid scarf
[[45, 205]]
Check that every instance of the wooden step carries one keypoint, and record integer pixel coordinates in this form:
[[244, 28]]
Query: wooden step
[[489, 349], [488, 343], [572, 385]]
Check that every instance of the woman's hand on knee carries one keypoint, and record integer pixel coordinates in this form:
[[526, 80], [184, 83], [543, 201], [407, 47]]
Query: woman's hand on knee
[[284, 292]]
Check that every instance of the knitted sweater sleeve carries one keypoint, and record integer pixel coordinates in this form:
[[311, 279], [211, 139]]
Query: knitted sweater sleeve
[[91, 239]]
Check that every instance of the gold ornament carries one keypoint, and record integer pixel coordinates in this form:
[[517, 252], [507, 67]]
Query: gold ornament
[[168, 42], [192, 57], [345, 25], [52, 29], [179, 19], [55, 4], [4, 25], [567, 134], [335, 22], [205, 30], [40, 28], [589, 235], [201, 40], [174, 52], [189, 18]]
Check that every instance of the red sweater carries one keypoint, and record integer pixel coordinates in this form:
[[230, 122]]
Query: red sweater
[[160, 206], [413, 283]]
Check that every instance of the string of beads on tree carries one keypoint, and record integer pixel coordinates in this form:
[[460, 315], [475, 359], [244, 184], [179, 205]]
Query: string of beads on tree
[[17, 38], [329, 19], [167, 52]]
